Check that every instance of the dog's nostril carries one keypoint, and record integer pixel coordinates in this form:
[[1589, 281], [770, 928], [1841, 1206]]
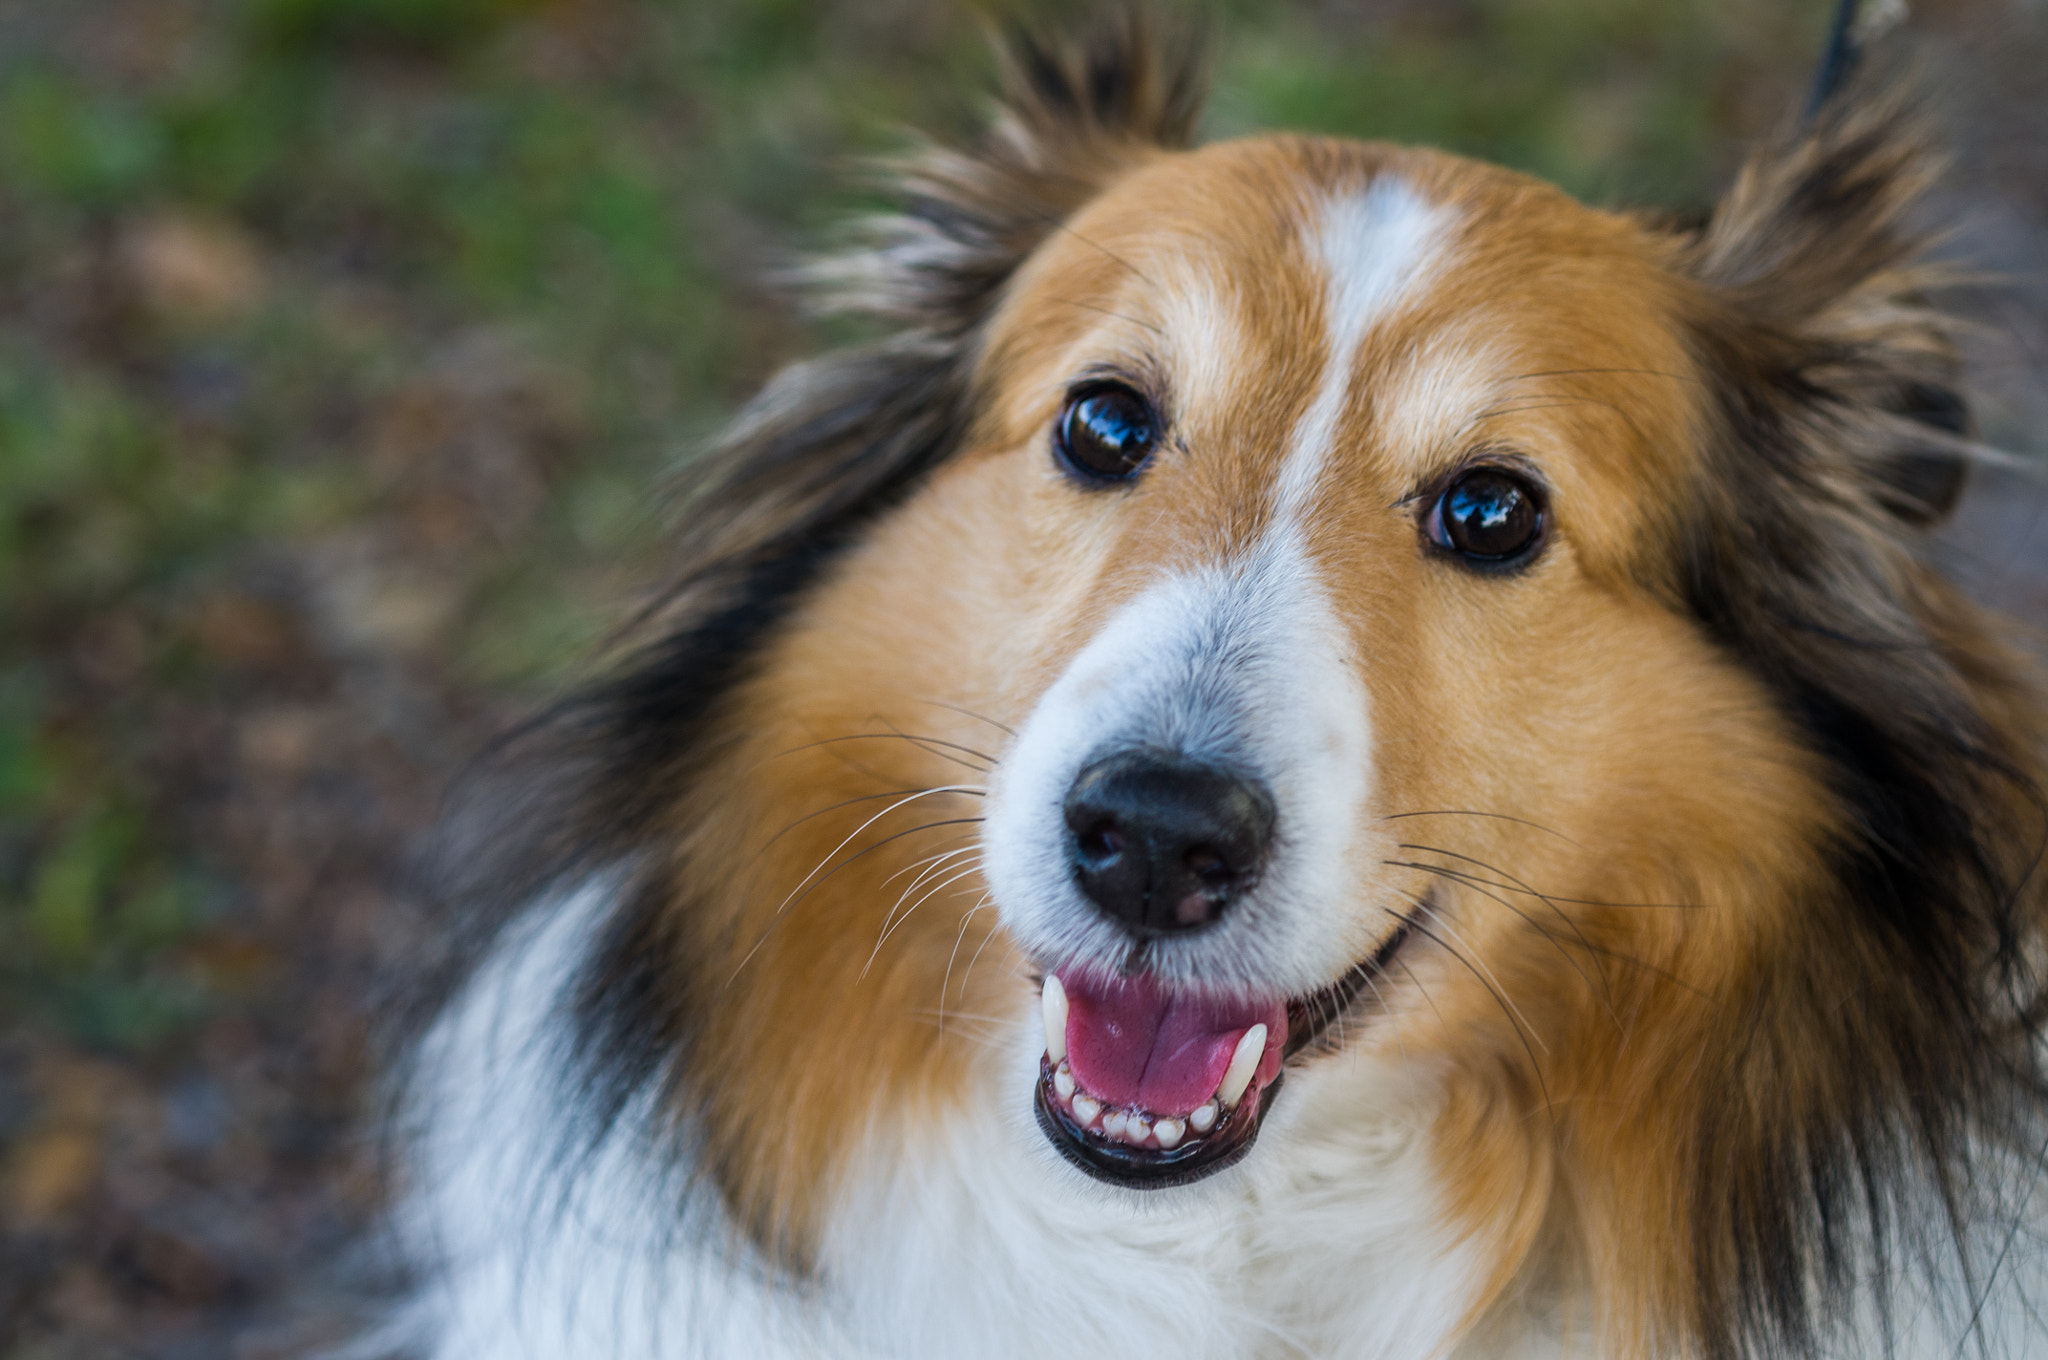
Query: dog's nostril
[[1162, 843], [1208, 866], [1100, 847]]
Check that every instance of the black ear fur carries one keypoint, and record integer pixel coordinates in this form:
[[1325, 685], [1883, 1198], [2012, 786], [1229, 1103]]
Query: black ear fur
[[1816, 253], [1070, 117]]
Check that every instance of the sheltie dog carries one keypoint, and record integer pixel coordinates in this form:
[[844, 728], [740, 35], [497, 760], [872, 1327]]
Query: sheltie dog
[[1323, 752]]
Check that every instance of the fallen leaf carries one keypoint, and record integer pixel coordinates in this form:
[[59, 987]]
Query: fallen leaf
[[194, 266]]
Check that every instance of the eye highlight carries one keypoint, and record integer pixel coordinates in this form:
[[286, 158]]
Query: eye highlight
[[1105, 433], [1489, 516]]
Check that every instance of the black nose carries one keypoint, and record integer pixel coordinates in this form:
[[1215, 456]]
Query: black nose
[[1163, 843]]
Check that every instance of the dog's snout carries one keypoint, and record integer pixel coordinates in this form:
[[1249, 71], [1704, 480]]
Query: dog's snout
[[1162, 843]]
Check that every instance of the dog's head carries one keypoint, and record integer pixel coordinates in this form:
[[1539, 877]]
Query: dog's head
[[1405, 610]]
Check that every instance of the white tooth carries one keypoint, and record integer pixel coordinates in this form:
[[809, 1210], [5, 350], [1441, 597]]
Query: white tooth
[[1168, 1132], [1054, 1003], [1137, 1129], [1204, 1119], [1243, 1063], [1086, 1107], [1063, 1081], [1113, 1123]]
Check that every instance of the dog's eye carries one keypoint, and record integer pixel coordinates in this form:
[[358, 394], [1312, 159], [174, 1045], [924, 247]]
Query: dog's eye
[[1489, 516], [1106, 432]]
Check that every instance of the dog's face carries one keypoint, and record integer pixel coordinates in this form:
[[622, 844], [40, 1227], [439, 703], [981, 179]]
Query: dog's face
[[1386, 607], [1339, 614]]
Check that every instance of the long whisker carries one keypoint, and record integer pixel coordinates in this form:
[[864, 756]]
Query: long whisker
[[781, 912], [976, 958], [939, 747], [947, 981], [851, 836], [1406, 1062], [1605, 988], [1604, 951], [1059, 224], [933, 866], [1516, 885], [1104, 311], [948, 853], [890, 736], [969, 789], [930, 893], [1475, 881], [1493, 816], [1423, 904], [970, 713], [1506, 1008], [1420, 988], [890, 922], [869, 850]]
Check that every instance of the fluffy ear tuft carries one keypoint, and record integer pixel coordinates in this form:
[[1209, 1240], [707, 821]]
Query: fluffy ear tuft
[[1818, 217], [1071, 117], [1821, 277], [1127, 83]]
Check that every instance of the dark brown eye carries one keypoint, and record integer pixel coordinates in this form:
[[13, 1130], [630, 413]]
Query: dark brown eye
[[1106, 433], [1489, 516]]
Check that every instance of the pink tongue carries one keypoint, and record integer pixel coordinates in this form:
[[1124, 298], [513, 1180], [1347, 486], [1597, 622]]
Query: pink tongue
[[1131, 1043]]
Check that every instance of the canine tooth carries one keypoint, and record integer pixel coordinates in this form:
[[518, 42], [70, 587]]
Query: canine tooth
[[1113, 1123], [1063, 1081], [1053, 1002], [1168, 1132], [1243, 1063], [1204, 1119], [1086, 1107], [1137, 1129]]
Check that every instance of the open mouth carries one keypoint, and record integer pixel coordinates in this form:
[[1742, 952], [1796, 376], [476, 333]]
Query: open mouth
[[1147, 1088]]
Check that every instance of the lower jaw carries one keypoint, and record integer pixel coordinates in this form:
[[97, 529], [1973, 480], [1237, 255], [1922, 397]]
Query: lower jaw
[[1151, 1168]]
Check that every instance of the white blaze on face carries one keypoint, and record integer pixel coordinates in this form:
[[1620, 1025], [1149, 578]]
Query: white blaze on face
[[1245, 663], [1378, 247]]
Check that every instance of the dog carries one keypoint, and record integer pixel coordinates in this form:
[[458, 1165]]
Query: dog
[[1323, 752]]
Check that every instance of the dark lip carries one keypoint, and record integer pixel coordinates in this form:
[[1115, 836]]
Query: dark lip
[[1152, 1168], [1226, 1145], [1308, 1017]]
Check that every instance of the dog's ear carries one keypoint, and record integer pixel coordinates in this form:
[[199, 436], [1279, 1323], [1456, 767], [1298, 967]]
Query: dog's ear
[[1820, 274], [1071, 115]]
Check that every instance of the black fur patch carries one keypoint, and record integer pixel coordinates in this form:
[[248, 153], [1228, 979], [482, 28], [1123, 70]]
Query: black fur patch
[[1919, 1002]]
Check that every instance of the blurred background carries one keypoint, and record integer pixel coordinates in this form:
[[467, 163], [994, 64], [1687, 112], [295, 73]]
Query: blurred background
[[345, 347]]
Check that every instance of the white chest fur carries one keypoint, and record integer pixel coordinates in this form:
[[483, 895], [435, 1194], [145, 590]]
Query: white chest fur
[[963, 1235], [1327, 1242]]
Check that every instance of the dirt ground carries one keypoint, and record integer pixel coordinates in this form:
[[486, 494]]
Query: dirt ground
[[342, 343]]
